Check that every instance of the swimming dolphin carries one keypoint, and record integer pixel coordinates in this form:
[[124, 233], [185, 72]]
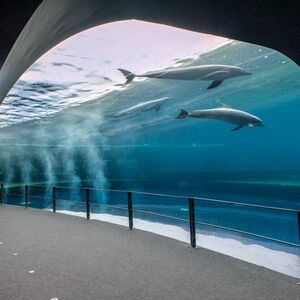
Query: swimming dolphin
[[234, 116], [144, 106], [214, 73]]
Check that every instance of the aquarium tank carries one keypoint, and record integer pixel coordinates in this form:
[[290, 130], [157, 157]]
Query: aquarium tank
[[157, 110]]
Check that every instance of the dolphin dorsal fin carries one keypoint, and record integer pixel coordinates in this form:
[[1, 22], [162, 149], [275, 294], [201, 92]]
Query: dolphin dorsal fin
[[224, 105]]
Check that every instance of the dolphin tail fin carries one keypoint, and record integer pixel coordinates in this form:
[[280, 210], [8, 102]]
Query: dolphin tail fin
[[214, 84], [128, 75], [183, 114]]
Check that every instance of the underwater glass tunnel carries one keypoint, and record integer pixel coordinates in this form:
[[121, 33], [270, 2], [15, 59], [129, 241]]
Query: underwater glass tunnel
[[179, 118]]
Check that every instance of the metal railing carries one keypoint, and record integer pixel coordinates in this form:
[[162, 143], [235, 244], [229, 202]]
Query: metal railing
[[190, 201]]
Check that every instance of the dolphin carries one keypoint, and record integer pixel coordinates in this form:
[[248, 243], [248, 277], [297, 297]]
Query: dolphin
[[237, 117], [215, 73], [142, 107]]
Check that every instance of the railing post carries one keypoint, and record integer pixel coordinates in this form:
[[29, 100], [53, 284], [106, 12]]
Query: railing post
[[54, 199], [298, 215], [26, 196], [1, 193], [87, 201], [130, 219], [192, 222]]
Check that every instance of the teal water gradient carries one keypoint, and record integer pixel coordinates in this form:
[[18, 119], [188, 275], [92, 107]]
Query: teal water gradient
[[155, 152]]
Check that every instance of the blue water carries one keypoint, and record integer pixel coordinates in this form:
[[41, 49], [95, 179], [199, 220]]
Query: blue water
[[154, 152]]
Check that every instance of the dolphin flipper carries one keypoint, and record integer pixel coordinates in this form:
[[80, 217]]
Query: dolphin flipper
[[214, 84], [157, 108], [149, 108], [237, 128]]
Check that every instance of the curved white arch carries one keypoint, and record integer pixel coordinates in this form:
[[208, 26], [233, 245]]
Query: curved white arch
[[52, 22]]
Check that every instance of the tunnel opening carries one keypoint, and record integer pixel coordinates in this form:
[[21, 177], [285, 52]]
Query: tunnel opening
[[72, 120]]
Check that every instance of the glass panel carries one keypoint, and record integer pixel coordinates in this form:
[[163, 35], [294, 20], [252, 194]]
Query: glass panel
[[143, 107], [109, 207], [14, 195], [40, 197], [275, 224], [71, 200]]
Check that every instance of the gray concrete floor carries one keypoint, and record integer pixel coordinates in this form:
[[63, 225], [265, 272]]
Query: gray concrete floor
[[73, 258]]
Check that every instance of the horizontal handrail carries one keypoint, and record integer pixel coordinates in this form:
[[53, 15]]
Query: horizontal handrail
[[160, 215], [191, 208], [178, 197]]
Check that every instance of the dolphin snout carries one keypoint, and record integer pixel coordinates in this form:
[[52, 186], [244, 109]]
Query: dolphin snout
[[245, 72]]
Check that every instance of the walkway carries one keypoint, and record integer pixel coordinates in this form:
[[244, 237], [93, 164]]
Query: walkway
[[48, 256]]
